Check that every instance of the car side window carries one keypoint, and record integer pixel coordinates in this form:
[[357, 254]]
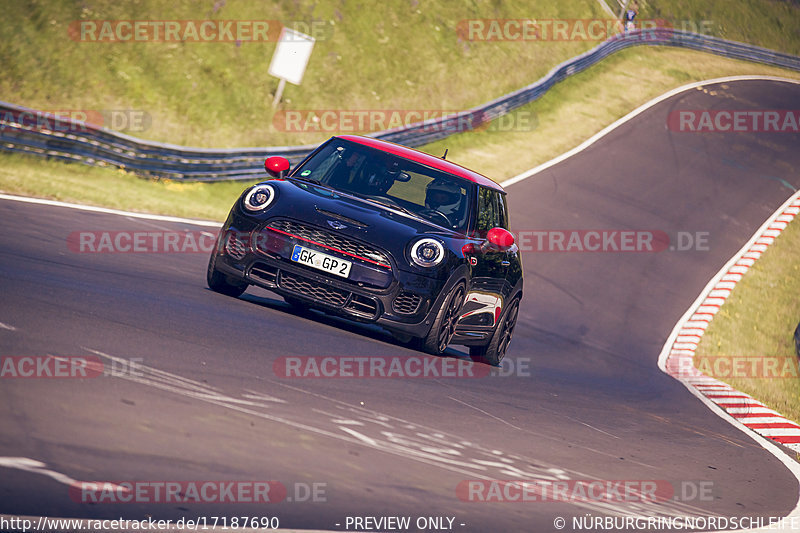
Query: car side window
[[492, 210], [502, 210]]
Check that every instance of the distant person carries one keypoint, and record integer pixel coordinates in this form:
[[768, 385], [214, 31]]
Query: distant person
[[629, 16]]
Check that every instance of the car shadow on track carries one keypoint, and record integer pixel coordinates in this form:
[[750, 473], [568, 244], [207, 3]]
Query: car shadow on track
[[371, 331]]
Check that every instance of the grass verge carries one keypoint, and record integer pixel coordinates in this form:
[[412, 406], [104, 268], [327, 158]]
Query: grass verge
[[757, 321], [772, 24], [105, 187], [568, 114], [395, 54]]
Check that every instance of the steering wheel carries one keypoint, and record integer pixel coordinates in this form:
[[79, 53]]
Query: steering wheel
[[432, 214]]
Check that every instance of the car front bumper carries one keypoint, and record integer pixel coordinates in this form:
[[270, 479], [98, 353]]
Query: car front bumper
[[396, 299]]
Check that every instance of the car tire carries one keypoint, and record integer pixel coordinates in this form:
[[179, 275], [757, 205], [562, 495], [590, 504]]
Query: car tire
[[218, 282], [444, 325], [493, 352]]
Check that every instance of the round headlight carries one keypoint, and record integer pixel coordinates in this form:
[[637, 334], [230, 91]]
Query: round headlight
[[259, 197], [427, 252]]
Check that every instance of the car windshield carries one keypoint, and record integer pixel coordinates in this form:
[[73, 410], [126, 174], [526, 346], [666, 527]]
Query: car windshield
[[384, 178]]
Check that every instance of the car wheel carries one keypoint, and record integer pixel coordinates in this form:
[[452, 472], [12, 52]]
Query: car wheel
[[444, 326], [493, 352], [218, 282]]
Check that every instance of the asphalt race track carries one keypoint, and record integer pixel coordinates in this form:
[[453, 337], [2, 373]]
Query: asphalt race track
[[204, 403]]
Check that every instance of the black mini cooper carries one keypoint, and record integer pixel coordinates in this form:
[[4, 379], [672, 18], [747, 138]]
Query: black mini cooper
[[377, 232]]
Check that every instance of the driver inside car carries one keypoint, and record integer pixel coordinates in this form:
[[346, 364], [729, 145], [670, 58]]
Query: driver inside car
[[443, 196]]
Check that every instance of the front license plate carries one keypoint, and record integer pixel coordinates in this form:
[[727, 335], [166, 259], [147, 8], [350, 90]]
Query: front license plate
[[320, 261]]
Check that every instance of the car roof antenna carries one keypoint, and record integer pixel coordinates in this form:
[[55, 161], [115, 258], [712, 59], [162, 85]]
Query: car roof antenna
[[445, 154]]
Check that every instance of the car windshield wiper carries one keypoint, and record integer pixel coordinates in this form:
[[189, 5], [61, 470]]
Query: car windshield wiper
[[392, 206]]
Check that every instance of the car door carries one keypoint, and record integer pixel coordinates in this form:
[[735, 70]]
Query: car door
[[490, 267]]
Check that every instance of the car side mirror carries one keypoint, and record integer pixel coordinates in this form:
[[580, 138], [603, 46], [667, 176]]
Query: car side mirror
[[501, 238], [497, 240], [276, 166]]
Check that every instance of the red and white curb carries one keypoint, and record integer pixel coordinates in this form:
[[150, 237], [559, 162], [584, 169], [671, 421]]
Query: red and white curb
[[677, 356]]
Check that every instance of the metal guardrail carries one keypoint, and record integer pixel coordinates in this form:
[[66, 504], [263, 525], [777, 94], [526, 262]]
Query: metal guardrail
[[34, 132]]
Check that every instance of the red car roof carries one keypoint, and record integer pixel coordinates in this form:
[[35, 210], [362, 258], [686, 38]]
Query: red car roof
[[425, 159]]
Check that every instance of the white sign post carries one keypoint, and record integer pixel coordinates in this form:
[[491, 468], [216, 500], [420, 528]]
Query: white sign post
[[290, 59]]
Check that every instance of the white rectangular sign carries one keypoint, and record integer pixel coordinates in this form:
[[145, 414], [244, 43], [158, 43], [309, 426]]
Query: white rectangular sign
[[291, 56]]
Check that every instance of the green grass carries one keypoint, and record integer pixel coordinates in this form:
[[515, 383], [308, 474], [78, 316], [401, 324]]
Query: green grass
[[117, 189], [568, 114], [773, 24], [396, 54], [758, 320]]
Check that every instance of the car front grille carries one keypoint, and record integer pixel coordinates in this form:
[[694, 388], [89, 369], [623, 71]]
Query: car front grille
[[355, 304], [406, 303], [235, 247], [312, 289], [331, 240]]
